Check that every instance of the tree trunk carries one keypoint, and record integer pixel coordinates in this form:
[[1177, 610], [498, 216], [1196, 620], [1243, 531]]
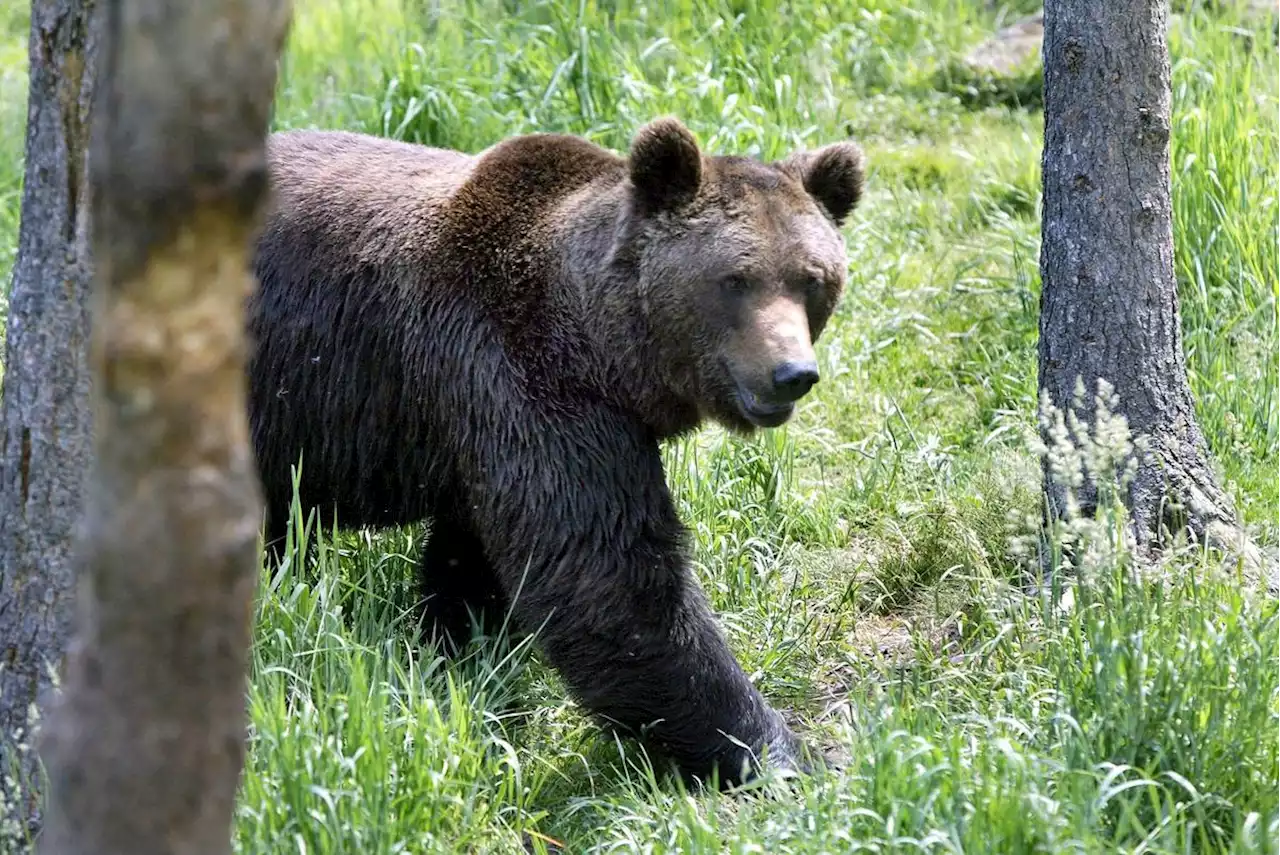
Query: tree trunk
[[45, 415], [145, 747], [1109, 304]]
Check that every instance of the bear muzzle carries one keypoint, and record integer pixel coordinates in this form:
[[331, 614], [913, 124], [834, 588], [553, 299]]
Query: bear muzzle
[[789, 382], [793, 380]]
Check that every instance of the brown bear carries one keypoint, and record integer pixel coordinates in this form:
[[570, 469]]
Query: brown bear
[[497, 343]]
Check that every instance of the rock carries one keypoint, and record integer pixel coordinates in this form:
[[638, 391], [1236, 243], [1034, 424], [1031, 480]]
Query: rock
[[1011, 49], [1003, 70], [1016, 48]]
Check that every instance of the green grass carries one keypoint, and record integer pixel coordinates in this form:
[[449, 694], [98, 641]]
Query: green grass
[[866, 560], [13, 79]]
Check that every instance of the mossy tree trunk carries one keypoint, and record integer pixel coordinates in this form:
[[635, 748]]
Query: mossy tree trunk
[[1109, 305], [45, 422], [145, 746]]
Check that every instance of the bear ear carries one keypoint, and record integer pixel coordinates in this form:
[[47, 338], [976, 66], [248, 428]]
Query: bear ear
[[832, 174], [666, 164]]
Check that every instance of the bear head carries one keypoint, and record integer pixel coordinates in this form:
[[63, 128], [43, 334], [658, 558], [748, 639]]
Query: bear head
[[739, 266]]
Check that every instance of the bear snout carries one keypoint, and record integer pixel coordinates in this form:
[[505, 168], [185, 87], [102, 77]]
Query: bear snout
[[792, 380]]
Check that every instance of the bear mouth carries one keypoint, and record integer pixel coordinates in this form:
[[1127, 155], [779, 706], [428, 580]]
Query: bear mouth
[[761, 413]]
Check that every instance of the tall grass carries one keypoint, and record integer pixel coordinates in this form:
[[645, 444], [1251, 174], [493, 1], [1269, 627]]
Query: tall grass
[[1225, 219], [868, 560]]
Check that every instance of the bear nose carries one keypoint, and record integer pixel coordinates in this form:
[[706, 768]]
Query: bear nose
[[793, 379]]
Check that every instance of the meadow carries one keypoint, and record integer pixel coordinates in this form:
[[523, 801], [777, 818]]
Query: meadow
[[872, 560]]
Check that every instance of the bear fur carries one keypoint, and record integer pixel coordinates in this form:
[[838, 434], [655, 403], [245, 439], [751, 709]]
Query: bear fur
[[497, 343]]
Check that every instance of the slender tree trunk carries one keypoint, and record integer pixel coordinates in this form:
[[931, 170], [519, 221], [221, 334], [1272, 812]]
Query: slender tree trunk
[[1109, 305], [145, 747], [45, 444]]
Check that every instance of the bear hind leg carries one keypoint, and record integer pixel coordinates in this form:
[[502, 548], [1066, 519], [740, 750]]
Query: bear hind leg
[[459, 586]]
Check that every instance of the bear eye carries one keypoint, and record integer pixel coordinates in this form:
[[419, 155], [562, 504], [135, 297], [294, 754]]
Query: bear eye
[[814, 285], [735, 284]]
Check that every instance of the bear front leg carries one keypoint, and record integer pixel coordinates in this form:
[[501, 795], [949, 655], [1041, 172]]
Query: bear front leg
[[617, 611], [458, 584], [678, 686]]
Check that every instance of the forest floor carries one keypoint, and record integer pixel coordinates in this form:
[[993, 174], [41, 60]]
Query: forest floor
[[869, 560]]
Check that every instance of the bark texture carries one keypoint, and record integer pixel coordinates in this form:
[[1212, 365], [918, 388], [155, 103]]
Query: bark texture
[[45, 415], [145, 747], [1109, 305]]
